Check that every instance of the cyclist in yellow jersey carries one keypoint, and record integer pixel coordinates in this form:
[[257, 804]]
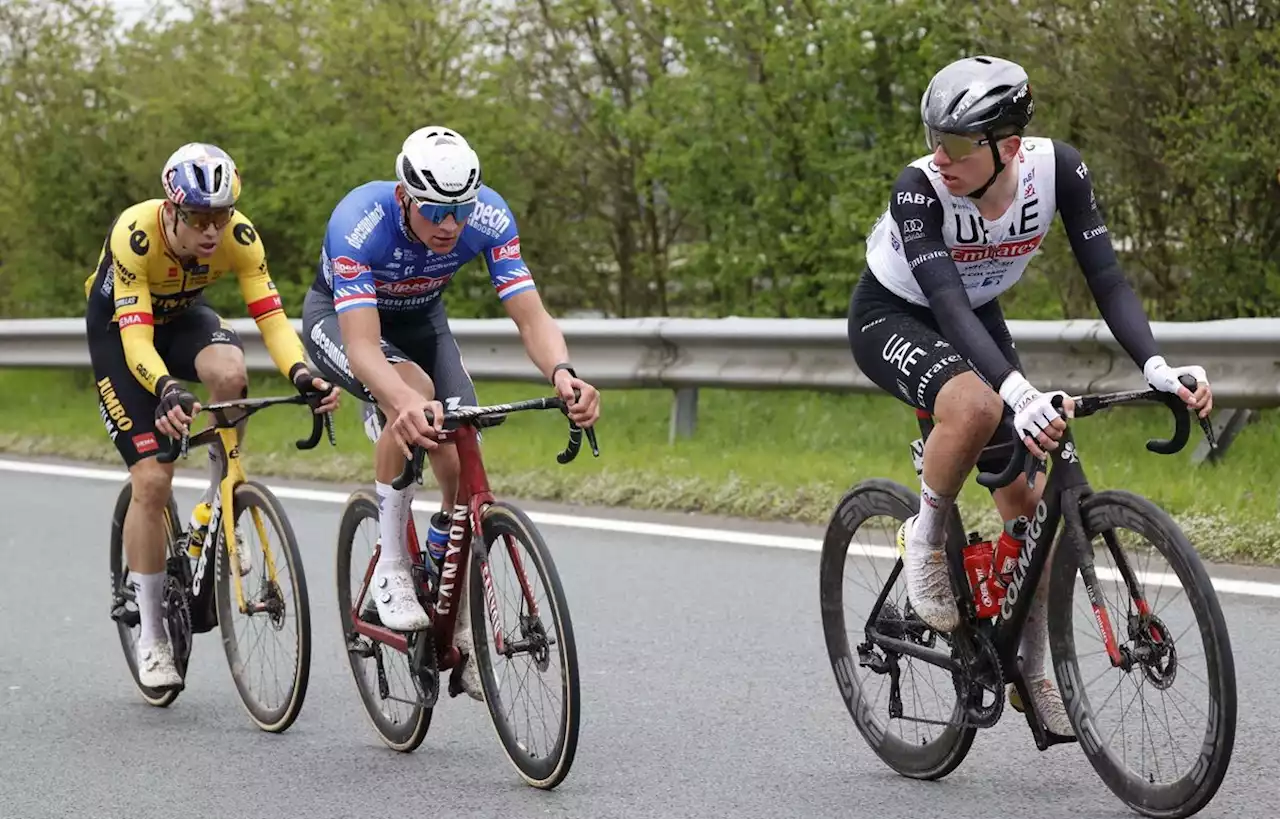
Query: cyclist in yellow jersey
[[148, 325]]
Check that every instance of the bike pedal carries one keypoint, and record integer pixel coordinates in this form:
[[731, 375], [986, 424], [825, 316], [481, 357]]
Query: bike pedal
[[360, 647], [455, 681], [1014, 699], [120, 614]]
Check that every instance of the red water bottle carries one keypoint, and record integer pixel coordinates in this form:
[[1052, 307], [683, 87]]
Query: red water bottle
[[1009, 549], [977, 565]]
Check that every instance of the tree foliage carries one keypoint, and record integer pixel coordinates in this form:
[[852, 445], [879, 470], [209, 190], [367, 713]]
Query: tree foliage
[[662, 157]]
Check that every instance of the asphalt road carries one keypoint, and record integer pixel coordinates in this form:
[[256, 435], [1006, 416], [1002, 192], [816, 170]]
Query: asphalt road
[[705, 683]]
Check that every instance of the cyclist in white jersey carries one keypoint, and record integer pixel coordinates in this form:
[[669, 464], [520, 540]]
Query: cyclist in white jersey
[[925, 323]]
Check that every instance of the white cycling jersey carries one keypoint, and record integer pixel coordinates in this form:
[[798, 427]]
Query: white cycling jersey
[[991, 256]]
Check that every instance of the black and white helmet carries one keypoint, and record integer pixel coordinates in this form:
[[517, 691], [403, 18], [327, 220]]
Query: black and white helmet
[[986, 95], [436, 165]]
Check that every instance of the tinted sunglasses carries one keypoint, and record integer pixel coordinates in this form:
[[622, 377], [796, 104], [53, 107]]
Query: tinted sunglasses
[[435, 214], [956, 146], [202, 219]]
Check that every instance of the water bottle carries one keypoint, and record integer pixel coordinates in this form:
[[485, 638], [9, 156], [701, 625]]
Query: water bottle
[[198, 527], [977, 565], [437, 541], [1009, 549]]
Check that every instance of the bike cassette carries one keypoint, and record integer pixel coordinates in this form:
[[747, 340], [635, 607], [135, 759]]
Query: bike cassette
[[980, 683]]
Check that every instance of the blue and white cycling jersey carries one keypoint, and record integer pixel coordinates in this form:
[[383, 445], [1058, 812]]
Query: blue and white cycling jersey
[[370, 259]]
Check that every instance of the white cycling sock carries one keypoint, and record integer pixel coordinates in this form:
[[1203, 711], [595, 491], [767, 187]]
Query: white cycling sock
[[393, 516], [150, 610], [932, 521]]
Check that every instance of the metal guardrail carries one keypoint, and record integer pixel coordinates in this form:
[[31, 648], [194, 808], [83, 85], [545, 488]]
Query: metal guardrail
[[1241, 356]]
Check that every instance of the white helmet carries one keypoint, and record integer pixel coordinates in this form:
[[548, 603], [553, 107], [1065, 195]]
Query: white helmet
[[201, 176], [436, 165]]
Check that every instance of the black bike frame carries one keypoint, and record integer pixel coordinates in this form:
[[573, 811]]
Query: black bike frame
[[1066, 488], [1066, 479]]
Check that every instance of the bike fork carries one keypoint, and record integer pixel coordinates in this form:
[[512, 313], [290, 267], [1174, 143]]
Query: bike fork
[[1075, 532]]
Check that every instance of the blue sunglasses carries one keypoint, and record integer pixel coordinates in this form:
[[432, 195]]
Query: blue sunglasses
[[437, 213]]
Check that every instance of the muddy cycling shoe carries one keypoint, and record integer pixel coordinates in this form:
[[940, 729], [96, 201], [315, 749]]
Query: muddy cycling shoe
[[928, 580]]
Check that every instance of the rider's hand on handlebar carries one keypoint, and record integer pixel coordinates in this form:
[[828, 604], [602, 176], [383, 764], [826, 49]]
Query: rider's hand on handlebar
[[176, 407], [1165, 378], [585, 409], [307, 384], [1040, 424], [411, 428]]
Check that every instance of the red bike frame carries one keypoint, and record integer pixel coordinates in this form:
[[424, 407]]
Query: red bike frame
[[474, 496]]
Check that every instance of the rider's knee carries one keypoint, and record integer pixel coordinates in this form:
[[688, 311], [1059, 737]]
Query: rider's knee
[[151, 483], [228, 382], [416, 378], [221, 368], [967, 402]]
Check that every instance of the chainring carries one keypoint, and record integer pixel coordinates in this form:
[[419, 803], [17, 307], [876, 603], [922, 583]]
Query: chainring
[[980, 675], [177, 615], [424, 668]]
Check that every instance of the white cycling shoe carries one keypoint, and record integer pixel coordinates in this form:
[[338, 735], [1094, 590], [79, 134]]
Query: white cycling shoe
[[156, 668], [928, 580], [1048, 703], [395, 594]]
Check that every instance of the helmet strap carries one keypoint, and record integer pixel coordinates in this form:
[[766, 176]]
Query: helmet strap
[[404, 218], [999, 166]]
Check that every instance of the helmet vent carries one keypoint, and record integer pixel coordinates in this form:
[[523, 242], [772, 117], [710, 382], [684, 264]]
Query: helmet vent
[[411, 174]]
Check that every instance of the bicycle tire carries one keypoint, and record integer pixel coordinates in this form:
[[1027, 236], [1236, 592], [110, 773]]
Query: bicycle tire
[[932, 760], [405, 737], [1113, 509], [547, 772], [253, 495], [128, 638]]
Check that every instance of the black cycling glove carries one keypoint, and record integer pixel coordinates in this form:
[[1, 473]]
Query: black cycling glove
[[171, 394]]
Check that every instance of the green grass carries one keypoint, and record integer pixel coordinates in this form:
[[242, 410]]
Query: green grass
[[765, 455]]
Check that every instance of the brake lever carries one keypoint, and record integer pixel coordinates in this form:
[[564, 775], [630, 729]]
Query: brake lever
[[1208, 433]]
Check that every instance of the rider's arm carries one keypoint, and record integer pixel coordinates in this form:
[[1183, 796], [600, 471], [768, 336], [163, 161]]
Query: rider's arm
[[539, 332], [1119, 305], [260, 296], [930, 261], [133, 304], [543, 341]]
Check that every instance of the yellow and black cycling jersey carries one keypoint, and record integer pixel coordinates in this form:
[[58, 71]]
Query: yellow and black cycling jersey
[[140, 281]]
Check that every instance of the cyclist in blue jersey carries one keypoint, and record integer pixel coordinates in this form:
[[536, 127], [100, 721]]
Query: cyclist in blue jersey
[[374, 323]]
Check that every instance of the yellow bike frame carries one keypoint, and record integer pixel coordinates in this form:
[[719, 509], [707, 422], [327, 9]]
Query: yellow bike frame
[[233, 475]]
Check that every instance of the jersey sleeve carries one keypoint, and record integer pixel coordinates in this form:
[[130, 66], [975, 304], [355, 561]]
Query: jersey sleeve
[[262, 299], [507, 270], [914, 203], [1090, 241], [346, 260], [130, 245]]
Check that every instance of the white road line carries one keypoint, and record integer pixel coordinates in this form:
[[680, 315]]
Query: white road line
[[632, 527]]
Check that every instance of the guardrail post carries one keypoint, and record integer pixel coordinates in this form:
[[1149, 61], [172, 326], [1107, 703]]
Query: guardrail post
[[684, 414], [1226, 427]]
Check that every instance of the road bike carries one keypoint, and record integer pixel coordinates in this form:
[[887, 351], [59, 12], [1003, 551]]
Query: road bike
[[195, 600], [1135, 645], [520, 624]]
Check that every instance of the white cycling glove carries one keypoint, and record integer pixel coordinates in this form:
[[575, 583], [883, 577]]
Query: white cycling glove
[[1033, 411], [1165, 378]]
